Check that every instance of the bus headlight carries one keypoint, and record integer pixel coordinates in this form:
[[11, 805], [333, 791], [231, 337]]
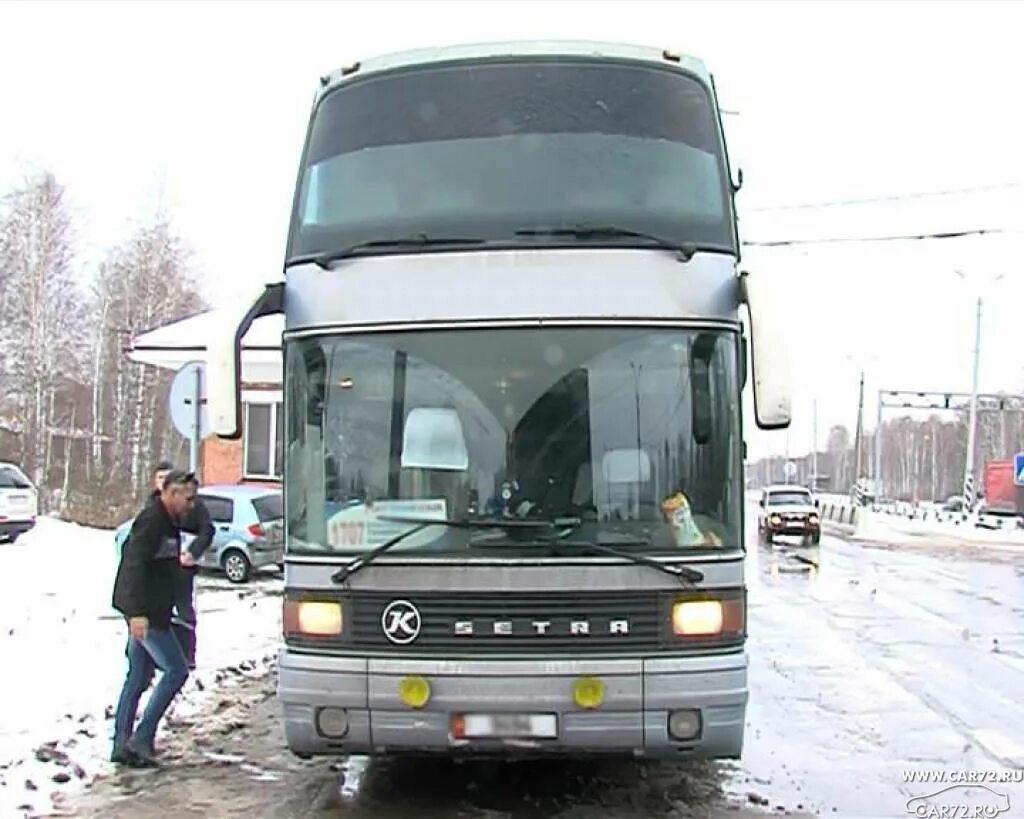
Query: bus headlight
[[720, 616], [315, 618], [697, 617]]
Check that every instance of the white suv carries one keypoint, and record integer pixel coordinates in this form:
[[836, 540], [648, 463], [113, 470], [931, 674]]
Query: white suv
[[788, 510], [19, 502]]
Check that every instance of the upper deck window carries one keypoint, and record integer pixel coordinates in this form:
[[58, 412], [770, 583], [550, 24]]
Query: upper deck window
[[481, 150]]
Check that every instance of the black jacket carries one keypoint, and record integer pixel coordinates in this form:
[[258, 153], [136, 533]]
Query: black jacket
[[147, 575], [197, 522]]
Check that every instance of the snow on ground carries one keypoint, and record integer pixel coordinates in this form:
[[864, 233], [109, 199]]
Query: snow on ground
[[63, 657], [896, 528]]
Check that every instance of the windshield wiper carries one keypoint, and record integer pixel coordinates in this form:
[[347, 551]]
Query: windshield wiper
[[565, 526], [419, 524], [325, 260], [686, 250], [684, 574]]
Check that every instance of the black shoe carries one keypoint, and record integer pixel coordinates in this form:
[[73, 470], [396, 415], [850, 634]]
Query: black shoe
[[140, 757], [124, 756]]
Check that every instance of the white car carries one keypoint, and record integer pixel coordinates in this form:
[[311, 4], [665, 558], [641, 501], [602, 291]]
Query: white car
[[19, 503], [788, 510]]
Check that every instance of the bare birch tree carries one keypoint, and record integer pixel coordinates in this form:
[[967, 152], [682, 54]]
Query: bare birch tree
[[42, 337], [143, 284]]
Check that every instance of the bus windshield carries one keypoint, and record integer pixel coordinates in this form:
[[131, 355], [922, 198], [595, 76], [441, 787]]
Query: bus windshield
[[632, 433], [488, 150]]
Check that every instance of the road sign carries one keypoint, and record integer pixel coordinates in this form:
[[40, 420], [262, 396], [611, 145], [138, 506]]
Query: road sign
[[187, 405], [1018, 469], [790, 469], [182, 400]]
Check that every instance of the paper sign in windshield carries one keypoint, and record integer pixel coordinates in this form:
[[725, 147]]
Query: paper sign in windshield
[[360, 527]]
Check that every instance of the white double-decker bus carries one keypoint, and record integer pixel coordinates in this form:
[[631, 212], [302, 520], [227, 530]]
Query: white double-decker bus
[[514, 352]]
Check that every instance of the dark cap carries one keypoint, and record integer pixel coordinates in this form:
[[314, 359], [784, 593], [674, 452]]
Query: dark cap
[[163, 466], [178, 477]]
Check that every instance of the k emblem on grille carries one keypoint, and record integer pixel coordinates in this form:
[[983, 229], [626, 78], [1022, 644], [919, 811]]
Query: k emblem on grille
[[401, 622]]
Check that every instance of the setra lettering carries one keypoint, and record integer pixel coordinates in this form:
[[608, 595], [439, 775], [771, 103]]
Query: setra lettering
[[540, 628]]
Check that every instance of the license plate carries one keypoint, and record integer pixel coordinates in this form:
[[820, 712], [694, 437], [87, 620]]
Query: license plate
[[531, 726]]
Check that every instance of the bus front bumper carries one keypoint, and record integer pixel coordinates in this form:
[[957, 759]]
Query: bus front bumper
[[366, 714]]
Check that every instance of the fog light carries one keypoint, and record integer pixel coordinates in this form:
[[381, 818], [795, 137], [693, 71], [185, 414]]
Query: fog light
[[684, 724], [332, 722], [414, 691], [588, 692]]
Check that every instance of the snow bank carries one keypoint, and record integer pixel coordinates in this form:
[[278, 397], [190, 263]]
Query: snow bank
[[873, 526], [63, 650]]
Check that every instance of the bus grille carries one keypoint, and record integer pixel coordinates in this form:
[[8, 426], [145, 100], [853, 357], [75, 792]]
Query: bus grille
[[521, 623]]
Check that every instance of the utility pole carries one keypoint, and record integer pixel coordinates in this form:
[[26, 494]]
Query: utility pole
[[878, 450], [972, 424], [814, 448], [859, 438]]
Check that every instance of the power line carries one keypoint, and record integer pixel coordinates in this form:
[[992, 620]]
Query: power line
[[899, 197], [952, 234]]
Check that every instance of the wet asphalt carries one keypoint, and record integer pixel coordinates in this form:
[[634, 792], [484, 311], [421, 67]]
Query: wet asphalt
[[866, 664]]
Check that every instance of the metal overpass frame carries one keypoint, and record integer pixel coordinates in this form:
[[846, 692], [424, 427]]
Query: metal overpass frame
[[942, 401]]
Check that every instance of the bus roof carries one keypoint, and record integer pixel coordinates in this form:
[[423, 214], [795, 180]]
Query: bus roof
[[524, 48]]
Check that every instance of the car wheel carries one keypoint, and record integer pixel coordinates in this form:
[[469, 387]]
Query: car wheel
[[236, 566]]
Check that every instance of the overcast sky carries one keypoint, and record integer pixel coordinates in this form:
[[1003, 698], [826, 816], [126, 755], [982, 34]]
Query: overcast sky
[[201, 109]]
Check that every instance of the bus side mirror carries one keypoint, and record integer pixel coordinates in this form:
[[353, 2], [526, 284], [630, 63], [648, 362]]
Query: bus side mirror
[[224, 358], [744, 360], [769, 354]]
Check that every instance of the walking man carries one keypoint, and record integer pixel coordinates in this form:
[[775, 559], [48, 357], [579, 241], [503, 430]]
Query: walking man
[[196, 522], [148, 578]]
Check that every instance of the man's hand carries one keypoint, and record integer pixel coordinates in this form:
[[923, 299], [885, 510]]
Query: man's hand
[[138, 626], [188, 560]]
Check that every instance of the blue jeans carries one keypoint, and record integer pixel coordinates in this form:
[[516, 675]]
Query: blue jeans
[[185, 611], [160, 649]]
